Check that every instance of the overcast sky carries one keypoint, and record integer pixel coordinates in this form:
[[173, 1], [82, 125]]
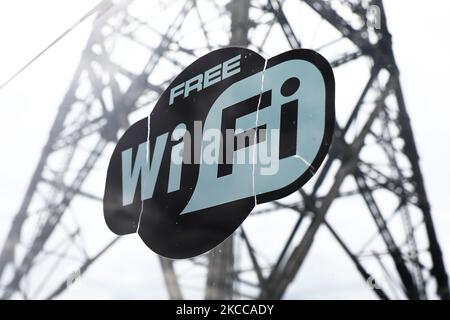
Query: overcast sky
[[28, 105]]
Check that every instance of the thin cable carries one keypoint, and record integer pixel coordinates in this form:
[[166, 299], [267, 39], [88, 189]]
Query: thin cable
[[87, 15]]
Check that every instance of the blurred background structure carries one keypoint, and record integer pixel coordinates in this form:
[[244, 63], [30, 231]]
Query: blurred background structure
[[372, 172]]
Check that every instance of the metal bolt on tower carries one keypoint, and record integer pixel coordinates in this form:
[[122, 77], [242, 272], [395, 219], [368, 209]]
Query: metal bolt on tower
[[371, 179]]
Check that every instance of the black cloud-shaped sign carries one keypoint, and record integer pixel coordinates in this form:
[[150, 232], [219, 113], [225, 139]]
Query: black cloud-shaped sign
[[282, 108]]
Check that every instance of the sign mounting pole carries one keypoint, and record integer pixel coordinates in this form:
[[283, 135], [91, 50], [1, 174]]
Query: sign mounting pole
[[221, 258]]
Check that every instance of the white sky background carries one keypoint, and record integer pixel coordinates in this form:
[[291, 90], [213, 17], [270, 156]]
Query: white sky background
[[28, 105]]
